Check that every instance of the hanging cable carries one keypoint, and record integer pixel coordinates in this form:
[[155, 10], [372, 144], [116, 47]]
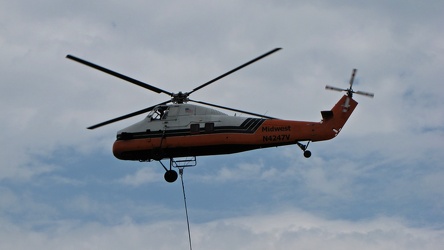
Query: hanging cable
[[186, 209]]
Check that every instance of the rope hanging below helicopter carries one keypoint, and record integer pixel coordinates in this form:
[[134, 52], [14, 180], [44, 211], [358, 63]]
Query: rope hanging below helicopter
[[186, 208]]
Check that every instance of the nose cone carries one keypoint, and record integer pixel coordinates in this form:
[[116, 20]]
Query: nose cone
[[118, 150], [131, 150]]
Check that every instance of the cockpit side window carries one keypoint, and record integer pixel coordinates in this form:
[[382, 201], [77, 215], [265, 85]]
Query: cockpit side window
[[164, 115]]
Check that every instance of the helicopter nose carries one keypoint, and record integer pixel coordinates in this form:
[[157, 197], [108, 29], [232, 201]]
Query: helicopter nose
[[117, 151]]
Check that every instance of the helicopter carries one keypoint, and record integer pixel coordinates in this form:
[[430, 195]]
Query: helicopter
[[180, 131]]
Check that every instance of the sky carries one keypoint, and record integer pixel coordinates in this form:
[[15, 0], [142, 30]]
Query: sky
[[378, 185]]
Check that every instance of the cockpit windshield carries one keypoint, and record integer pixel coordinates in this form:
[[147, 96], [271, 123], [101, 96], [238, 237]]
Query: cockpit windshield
[[158, 113]]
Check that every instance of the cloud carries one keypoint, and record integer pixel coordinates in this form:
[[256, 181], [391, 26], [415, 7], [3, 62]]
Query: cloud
[[142, 176], [296, 229], [279, 230]]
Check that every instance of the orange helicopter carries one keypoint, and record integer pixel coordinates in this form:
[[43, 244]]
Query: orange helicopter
[[179, 131]]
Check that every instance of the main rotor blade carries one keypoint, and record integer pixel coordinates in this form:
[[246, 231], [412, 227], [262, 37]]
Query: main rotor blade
[[118, 75], [127, 116], [236, 69], [231, 109]]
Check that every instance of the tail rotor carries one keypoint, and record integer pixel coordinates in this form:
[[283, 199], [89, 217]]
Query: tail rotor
[[349, 92]]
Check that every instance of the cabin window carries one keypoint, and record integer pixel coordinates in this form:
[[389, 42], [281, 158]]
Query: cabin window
[[209, 127], [194, 128]]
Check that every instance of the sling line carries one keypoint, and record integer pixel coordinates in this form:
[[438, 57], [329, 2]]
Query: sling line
[[186, 209]]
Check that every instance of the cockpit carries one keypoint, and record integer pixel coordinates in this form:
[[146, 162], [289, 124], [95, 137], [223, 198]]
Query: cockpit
[[172, 112], [158, 113]]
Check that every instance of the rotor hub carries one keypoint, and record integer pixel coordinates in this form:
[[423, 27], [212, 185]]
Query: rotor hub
[[350, 92], [179, 98]]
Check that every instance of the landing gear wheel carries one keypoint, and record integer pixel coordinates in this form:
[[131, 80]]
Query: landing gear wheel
[[303, 147], [170, 176]]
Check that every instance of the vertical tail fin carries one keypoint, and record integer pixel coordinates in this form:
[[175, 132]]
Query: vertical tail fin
[[334, 119]]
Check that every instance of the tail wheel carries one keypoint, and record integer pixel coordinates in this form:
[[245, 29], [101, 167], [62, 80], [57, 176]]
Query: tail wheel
[[303, 147]]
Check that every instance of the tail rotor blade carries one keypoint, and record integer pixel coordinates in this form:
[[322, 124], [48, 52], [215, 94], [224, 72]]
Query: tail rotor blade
[[352, 79], [365, 93], [350, 90], [334, 88]]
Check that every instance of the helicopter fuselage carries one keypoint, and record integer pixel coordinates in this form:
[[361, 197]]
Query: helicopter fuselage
[[182, 130]]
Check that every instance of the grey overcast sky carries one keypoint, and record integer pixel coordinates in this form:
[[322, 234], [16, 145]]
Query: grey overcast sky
[[378, 185]]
